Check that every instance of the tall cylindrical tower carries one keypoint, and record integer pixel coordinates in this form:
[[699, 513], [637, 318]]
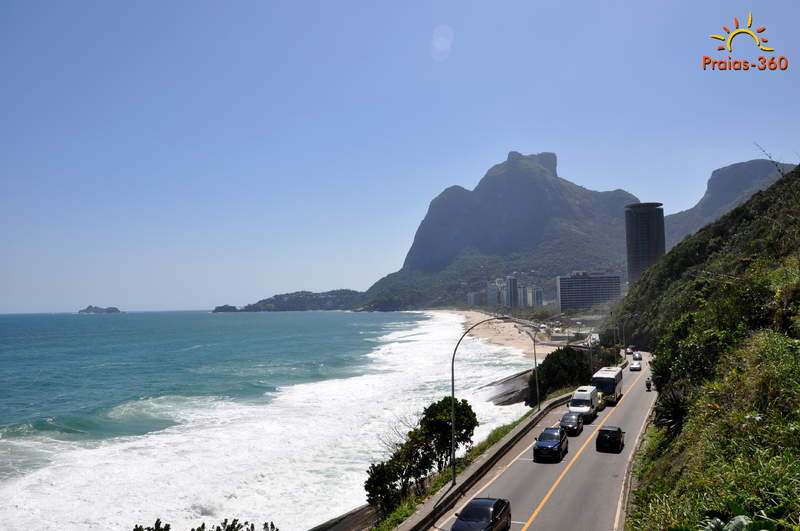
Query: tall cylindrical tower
[[644, 234]]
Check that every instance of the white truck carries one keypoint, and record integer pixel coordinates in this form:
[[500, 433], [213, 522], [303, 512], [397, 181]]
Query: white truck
[[584, 401]]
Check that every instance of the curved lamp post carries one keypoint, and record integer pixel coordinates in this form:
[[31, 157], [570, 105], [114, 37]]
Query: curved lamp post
[[535, 366], [453, 392], [623, 322]]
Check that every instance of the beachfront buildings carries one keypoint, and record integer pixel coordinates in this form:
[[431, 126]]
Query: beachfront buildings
[[493, 294], [644, 237], [507, 293], [511, 293], [538, 297], [581, 289]]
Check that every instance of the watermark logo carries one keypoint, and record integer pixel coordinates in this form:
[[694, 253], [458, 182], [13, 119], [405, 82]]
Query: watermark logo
[[743, 31], [751, 34]]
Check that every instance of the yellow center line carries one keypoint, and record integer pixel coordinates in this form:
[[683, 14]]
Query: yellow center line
[[574, 459], [487, 485]]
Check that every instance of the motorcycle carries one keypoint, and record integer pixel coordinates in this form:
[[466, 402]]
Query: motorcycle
[[648, 384]]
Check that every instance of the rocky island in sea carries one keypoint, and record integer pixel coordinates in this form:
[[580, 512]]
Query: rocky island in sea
[[97, 309]]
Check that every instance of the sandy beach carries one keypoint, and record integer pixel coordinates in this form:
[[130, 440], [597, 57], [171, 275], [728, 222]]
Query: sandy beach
[[500, 333]]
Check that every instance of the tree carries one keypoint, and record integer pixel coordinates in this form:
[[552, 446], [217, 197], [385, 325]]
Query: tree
[[563, 367], [422, 448], [435, 423], [382, 487], [414, 459]]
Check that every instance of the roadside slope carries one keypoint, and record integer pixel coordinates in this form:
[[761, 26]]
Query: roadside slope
[[722, 313]]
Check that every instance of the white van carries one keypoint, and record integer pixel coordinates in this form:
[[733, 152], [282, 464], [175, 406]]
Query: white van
[[584, 401]]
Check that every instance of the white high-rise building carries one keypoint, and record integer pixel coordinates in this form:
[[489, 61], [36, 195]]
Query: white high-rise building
[[581, 290], [492, 294], [538, 298]]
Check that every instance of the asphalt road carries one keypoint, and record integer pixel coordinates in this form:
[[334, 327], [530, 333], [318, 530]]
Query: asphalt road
[[583, 491]]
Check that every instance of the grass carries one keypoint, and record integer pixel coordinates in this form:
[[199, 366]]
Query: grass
[[739, 447], [409, 506]]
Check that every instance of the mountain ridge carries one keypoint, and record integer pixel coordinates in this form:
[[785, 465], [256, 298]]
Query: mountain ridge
[[727, 188], [523, 218]]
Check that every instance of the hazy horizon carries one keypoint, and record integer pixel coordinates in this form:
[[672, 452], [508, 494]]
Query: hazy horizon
[[184, 155]]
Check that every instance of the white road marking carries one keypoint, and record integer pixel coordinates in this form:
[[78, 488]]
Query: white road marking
[[486, 486], [622, 490]]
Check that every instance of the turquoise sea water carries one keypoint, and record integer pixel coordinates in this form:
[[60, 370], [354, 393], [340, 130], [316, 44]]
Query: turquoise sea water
[[63, 373], [107, 421]]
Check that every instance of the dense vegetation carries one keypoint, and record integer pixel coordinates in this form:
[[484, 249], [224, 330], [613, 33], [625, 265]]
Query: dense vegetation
[[569, 367], [423, 449], [225, 525], [727, 188], [97, 309], [339, 299], [721, 312]]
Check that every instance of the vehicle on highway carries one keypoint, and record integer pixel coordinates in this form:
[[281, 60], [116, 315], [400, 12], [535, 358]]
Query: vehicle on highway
[[637, 356], [572, 423], [552, 443], [584, 401], [610, 438], [648, 384], [484, 514], [631, 349], [636, 365], [601, 401], [608, 381]]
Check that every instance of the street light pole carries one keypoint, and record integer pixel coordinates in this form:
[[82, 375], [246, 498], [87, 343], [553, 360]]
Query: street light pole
[[623, 322], [535, 371], [453, 392]]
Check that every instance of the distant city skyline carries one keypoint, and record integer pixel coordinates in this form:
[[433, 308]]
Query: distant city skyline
[[181, 155]]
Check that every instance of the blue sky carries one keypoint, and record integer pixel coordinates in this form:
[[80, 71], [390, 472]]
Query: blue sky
[[183, 154]]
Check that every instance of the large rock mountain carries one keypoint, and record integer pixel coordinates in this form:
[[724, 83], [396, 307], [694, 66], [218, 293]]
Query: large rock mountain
[[727, 188], [519, 205], [520, 217], [523, 218]]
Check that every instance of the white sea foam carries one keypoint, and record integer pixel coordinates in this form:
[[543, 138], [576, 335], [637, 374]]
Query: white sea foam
[[298, 460]]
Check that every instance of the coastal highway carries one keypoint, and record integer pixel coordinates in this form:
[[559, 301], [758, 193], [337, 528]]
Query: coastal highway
[[584, 490]]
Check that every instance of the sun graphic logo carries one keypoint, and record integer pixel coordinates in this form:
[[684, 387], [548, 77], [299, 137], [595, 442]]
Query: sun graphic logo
[[761, 63], [743, 31]]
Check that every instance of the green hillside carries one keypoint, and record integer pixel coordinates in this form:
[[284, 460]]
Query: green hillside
[[727, 188], [721, 312], [338, 299]]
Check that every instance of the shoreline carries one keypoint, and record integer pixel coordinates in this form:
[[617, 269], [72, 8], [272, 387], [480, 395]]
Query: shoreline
[[501, 334]]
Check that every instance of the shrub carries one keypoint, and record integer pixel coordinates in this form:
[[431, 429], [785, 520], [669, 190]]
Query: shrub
[[225, 525], [423, 449]]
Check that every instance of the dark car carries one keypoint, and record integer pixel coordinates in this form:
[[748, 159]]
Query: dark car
[[572, 423], [631, 349], [610, 439], [484, 514], [552, 443], [637, 355]]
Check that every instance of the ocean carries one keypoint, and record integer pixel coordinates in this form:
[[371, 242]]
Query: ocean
[[107, 421]]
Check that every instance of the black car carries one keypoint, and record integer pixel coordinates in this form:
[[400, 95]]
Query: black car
[[484, 514], [552, 443], [610, 439], [572, 423], [637, 356]]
